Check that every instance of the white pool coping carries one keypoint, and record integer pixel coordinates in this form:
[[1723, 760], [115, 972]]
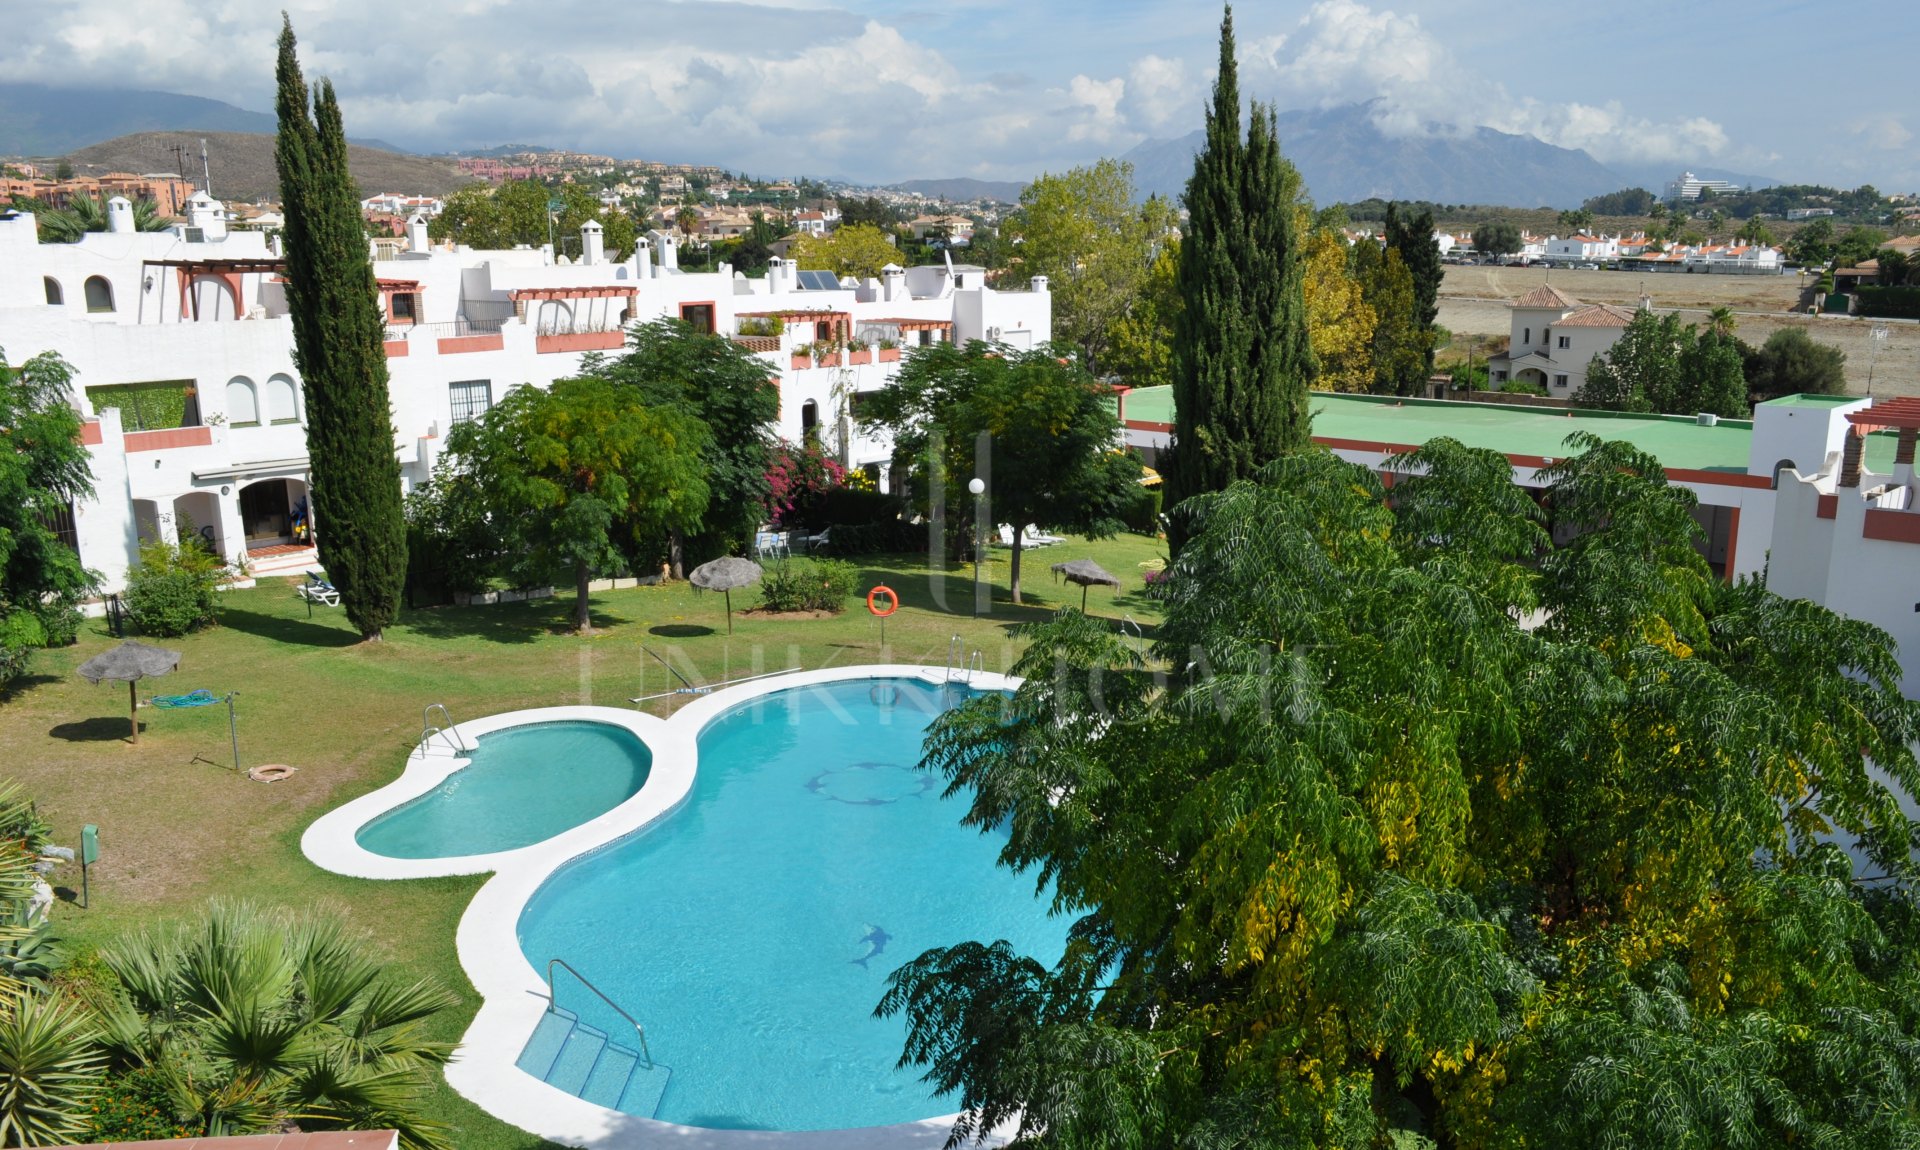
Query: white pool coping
[[513, 993]]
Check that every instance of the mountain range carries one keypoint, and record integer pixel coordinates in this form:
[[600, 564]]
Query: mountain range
[[1341, 153], [1343, 156]]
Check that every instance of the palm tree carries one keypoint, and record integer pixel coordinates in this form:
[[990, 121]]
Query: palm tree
[[257, 1017], [85, 214], [50, 1063], [1721, 321], [688, 220]]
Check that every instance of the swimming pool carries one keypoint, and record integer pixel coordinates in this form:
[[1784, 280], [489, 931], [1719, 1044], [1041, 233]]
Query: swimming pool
[[751, 929], [522, 785]]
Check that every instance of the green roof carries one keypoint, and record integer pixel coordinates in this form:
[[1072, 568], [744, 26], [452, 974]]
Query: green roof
[[1676, 441], [1813, 401]]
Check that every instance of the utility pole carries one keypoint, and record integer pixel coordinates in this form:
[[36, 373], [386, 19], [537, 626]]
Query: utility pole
[[206, 169]]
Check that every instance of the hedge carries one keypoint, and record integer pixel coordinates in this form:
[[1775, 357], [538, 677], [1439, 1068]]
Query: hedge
[[1890, 302]]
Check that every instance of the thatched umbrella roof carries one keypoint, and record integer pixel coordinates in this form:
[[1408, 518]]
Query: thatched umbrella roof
[[1087, 573], [130, 662], [723, 575]]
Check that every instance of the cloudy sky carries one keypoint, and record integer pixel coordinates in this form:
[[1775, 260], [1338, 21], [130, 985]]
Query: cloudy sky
[[894, 89]]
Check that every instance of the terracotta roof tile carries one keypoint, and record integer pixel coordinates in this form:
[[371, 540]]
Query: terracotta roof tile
[[1598, 315], [1546, 296]]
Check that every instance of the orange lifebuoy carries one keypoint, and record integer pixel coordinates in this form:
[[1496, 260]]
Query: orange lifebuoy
[[893, 601]]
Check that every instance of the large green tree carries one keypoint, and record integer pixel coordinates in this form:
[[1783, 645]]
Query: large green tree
[[494, 218], [44, 471], [1051, 428], [858, 250], [1791, 362], [1641, 371], [1140, 345], [1242, 360], [572, 472], [1354, 858], [1411, 234], [338, 335], [1400, 346], [1085, 231], [728, 389], [1496, 238]]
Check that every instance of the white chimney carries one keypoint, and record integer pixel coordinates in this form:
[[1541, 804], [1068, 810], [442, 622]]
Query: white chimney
[[593, 243], [894, 283], [417, 232], [643, 258], [120, 215], [207, 214], [1038, 284], [780, 277]]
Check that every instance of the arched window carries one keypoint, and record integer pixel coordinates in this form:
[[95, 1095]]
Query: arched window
[[55, 296], [283, 404], [810, 422], [99, 294], [243, 409]]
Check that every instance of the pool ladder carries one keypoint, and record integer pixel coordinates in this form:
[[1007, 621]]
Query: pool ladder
[[553, 1004], [448, 734], [975, 663], [1129, 624]]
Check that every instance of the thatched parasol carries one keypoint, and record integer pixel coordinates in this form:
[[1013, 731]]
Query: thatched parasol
[[1087, 573], [131, 662], [723, 575]]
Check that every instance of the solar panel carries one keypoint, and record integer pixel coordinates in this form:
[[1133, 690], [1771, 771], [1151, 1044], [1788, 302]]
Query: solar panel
[[818, 281]]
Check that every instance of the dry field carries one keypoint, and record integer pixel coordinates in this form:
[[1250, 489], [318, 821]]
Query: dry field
[[1473, 302]]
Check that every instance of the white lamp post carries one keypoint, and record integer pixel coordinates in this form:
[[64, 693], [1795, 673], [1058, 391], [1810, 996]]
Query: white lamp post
[[978, 487]]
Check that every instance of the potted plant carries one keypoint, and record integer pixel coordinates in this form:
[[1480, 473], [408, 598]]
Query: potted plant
[[857, 351], [889, 351], [802, 356]]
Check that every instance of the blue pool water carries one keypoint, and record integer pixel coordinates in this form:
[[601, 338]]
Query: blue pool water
[[524, 784], [752, 931]]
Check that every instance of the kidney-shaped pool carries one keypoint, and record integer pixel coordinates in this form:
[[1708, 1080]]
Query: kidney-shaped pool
[[524, 784], [752, 930]]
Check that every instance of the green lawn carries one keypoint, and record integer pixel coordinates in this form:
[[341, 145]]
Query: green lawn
[[179, 827]]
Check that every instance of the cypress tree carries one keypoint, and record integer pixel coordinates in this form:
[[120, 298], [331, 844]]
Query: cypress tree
[[337, 337], [1242, 365], [1412, 237]]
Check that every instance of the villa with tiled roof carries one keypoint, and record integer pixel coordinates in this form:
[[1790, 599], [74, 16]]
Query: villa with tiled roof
[[1555, 339]]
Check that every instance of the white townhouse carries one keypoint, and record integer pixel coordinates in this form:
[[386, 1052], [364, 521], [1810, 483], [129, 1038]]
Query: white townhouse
[[1555, 339], [1578, 248], [195, 414]]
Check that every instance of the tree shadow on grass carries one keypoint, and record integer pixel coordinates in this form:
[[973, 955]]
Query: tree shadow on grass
[[96, 730], [524, 622], [681, 630], [285, 629], [26, 683]]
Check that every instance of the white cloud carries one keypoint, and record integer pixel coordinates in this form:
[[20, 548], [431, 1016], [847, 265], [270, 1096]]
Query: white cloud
[[1161, 93], [1344, 51], [1882, 133]]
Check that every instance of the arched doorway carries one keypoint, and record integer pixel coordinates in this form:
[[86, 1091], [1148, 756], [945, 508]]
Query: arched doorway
[[196, 517], [212, 299], [273, 512], [554, 318], [99, 294], [1531, 375], [810, 423], [147, 523]]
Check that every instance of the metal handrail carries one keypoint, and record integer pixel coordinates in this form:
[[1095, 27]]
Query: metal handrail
[[1139, 640], [554, 1003], [979, 657], [956, 651], [428, 730]]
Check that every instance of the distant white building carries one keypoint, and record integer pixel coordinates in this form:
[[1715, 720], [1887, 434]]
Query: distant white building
[[1689, 186], [1807, 213], [1555, 339], [1579, 248], [398, 205]]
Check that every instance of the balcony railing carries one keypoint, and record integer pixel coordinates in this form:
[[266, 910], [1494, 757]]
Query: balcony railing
[[455, 329]]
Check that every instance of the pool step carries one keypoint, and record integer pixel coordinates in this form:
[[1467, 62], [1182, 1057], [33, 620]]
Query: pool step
[[581, 1059]]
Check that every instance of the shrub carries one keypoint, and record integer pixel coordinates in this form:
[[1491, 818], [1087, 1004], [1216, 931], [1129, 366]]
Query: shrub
[[1141, 512], [1895, 302], [173, 590], [762, 325], [1524, 387], [136, 1106], [892, 535], [808, 585], [20, 633]]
